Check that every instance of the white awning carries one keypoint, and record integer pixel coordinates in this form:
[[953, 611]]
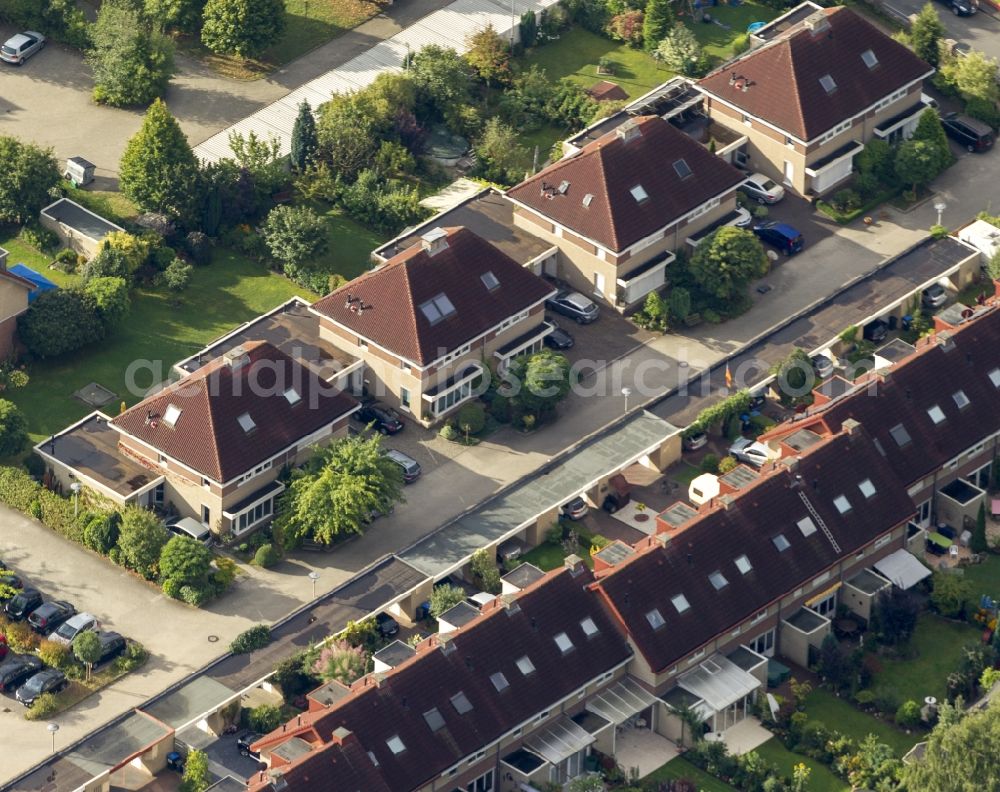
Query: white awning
[[719, 682], [903, 569], [620, 701], [560, 741]]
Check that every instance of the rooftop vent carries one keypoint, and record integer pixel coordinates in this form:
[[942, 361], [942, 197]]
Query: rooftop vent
[[816, 23], [434, 241], [236, 358], [630, 130]]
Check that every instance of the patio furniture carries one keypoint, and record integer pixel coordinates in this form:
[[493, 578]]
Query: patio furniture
[[937, 544], [777, 673], [995, 508], [946, 530], [846, 627]]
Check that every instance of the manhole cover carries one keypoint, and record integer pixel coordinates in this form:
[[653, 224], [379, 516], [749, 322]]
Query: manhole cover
[[213, 639], [641, 517]]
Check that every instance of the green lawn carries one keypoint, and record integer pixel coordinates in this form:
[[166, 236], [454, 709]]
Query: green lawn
[[161, 329], [716, 40], [985, 577], [938, 644], [821, 779], [108, 204], [546, 556], [350, 245], [835, 713], [682, 768], [309, 23]]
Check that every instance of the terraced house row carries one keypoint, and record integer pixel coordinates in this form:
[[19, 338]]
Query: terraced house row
[[523, 690]]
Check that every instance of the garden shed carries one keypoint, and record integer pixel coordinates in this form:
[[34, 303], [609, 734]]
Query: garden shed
[[77, 228]]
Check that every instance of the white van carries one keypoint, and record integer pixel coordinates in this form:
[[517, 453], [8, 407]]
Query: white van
[[191, 528]]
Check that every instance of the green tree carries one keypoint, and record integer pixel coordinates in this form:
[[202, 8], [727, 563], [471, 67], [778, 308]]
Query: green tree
[[338, 491], [111, 300], [349, 128], [537, 382], [918, 162], [489, 56], [951, 594], [341, 661], [196, 776], [960, 754], [979, 543], [442, 77], [186, 561], [679, 304], [13, 429], [658, 20], [874, 766], [484, 570], [795, 376], [182, 15], [930, 130], [304, 138], [244, 28], [262, 159], [28, 174], [177, 275], [726, 261], [59, 322], [444, 598], [894, 617], [295, 235], [265, 718], [499, 152], [158, 169], [87, 649], [141, 537], [131, 59], [974, 75], [926, 33], [528, 29], [108, 262]]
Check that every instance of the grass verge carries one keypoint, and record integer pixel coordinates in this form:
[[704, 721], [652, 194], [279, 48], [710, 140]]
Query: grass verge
[[838, 714], [821, 779], [681, 768]]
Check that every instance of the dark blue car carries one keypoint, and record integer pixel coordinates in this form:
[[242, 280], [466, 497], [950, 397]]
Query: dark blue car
[[781, 236]]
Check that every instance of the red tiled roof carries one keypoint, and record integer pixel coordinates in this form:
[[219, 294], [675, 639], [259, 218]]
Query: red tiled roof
[[611, 167], [784, 86], [606, 91], [772, 506], [392, 295], [492, 643], [207, 435]]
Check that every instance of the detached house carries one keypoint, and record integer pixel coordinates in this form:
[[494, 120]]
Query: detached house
[[429, 321], [211, 445], [618, 207], [15, 292], [810, 98]]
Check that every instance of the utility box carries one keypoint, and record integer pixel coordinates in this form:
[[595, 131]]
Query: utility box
[[79, 171]]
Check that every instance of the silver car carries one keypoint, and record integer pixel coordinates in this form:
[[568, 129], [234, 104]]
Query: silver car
[[763, 189], [18, 48]]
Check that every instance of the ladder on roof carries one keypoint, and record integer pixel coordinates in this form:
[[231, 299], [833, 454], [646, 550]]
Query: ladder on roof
[[819, 521]]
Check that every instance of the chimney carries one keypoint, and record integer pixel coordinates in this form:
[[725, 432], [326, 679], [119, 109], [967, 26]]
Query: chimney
[[434, 241], [726, 502], [574, 564], [630, 130], [340, 734], [850, 427], [236, 358], [816, 23]]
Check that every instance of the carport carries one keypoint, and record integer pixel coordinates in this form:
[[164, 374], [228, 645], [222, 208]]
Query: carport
[[903, 569]]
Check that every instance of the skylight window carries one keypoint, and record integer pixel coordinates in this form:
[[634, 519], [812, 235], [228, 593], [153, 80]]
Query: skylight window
[[680, 602], [995, 377], [246, 423], [867, 488], [639, 193], [870, 59], [843, 505], [682, 169], [587, 199], [434, 719], [781, 543], [900, 435], [395, 744], [589, 628], [437, 308], [807, 526], [499, 681], [718, 580], [655, 619], [961, 400], [828, 83], [743, 564], [171, 414], [936, 414], [292, 396], [489, 280], [461, 703], [524, 665], [563, 642]]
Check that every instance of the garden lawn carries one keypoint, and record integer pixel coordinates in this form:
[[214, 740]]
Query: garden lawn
[[350, 245], [821, 779], [309, 23], [718, 41], [985, 577], [835, 713], [161, 329], [576, 53], [682, 768], [938, 644]]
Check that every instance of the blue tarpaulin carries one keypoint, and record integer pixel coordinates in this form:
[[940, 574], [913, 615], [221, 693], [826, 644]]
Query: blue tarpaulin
[[42, 284]]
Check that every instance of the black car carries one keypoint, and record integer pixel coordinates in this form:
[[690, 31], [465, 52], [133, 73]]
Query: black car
[[23, 604], [47, 617], [112, 645], [876, 331], [575, 306], [51, 680], [780, 235], [962, 7], [973, 134], [17, 668], [385, 419], [386, 625], [558, 338], [243, 743]]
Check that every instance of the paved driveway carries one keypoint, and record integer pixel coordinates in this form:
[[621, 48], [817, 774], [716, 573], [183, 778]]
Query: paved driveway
[[980, 31]]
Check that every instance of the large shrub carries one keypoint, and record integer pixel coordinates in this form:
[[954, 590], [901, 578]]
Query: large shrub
[[59, 322], [257, 637], [27, 175]]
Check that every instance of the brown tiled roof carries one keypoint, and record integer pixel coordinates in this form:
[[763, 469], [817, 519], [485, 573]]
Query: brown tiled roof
[[773, 506], [914, 385], [784, 77], [207, 435], [493, 643], [392, 295], [611, 167], [341, 766], [606, 91]]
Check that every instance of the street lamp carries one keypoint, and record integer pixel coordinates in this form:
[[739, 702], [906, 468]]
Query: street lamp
[[75, 488], [53, 728], [314, 576], [940, 206], [626, 392]]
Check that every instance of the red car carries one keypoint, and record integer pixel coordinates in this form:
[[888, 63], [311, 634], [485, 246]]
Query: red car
[[3, 646]]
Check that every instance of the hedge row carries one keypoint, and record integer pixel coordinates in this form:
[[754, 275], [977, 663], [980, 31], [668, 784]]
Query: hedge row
[[20, 491]]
